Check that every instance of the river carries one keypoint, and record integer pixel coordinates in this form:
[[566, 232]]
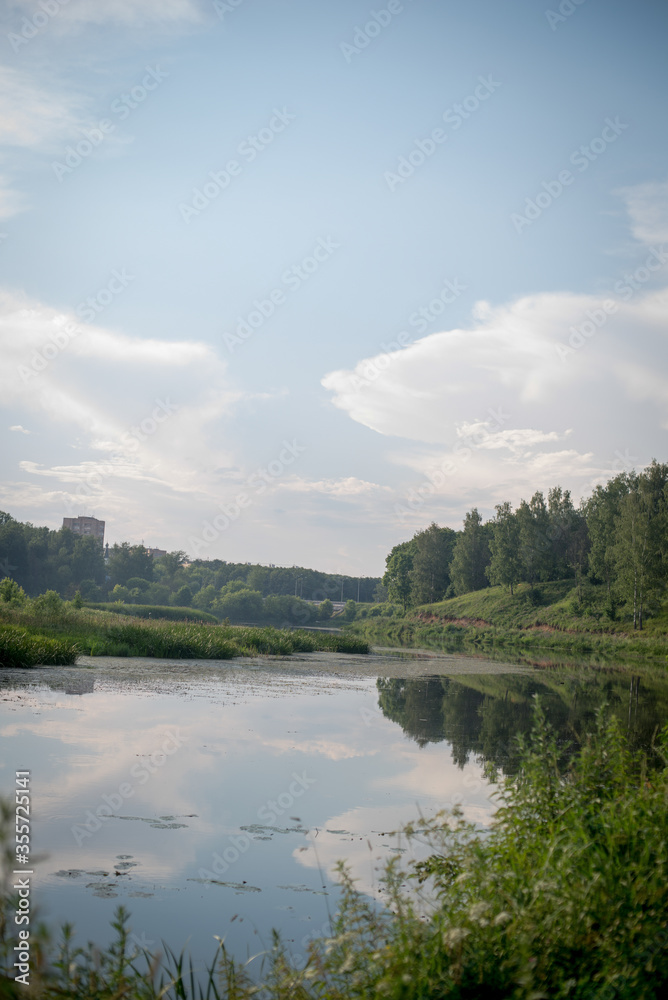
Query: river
[[215, 798]]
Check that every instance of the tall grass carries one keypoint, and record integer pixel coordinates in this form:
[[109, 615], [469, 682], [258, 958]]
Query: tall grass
[[564, 898], [21, 648], [55, 637]]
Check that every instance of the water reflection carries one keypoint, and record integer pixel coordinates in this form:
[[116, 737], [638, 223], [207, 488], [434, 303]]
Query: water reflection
[[480, 715], [215, 798]]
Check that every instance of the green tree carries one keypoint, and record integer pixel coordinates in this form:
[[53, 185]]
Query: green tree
[[240, 606], [183, 597], [397, 578], [471, 555], [325, 610], [205, 597], [535, 548], [640, 540], [350, 611], [505, 565], [167, 567], [602, 511], [11, 593], [430, 576], [126, 561]]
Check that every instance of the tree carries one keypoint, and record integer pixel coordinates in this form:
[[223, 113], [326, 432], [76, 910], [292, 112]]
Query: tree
[[602, 510], [640, 539], [350, 611], [471, 555], [241, 605], [325, 610], [430, 576], [167, 566], [183, 597], [88, 560], [505, 564], [535, 547], [127, 560], [11, 593], [397, 578]]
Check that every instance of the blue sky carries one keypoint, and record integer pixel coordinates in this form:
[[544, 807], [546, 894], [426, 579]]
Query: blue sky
[[286, 281]]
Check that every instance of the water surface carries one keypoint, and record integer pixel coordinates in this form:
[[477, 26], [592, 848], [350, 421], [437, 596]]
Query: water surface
[[216, 797]]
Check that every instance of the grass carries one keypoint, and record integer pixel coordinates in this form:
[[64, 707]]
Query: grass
[[21, 648], [157, 611], [562, 899], [548, 616], [30, 637]]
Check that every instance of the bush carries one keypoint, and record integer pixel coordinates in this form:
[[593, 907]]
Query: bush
[[11, 593], [325, 610], [47, 605]]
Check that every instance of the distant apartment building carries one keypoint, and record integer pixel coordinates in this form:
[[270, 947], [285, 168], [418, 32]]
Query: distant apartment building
[[156, 553], [85, 526]]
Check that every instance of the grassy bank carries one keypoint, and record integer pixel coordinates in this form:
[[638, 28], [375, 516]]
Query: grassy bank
[[564, 897], [28, 637], [156, 611], [547, 617]]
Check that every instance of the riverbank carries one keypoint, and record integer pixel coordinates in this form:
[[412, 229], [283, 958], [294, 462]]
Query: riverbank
[[29, 637], [546, 618]]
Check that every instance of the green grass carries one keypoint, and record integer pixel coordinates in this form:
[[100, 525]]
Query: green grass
[[22, 648], [157, 611], [562, 899], [547, 617], [99, 633]]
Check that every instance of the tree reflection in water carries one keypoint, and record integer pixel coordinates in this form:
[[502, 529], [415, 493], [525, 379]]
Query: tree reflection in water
[[479, 715]]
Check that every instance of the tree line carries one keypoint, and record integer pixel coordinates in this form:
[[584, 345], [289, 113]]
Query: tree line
[[616, 539], [40, 559]]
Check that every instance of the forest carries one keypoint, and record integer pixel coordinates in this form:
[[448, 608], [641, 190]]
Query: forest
[[616, 539], [34, 560]]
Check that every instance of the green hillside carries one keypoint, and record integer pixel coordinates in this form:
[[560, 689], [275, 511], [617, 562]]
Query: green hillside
[[550, 615]]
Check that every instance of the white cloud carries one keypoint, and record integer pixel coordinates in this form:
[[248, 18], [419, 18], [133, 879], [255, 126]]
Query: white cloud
[[492, 406], [159, 427], [38, 116], [350, 486], [17, 427], [647, 206]]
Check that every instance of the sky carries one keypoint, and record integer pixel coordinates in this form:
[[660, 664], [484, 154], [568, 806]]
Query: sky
[[286, 281]]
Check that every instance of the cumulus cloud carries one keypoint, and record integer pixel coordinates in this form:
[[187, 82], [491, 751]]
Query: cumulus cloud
[[547, 388]]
